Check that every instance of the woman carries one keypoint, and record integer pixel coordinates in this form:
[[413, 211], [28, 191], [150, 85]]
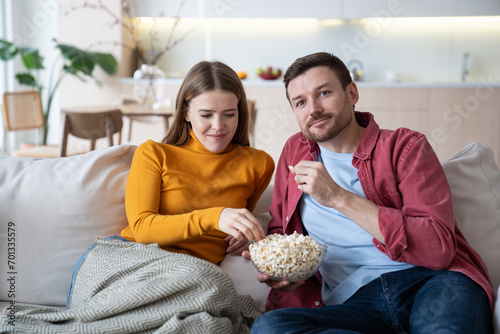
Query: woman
[[194, 192]]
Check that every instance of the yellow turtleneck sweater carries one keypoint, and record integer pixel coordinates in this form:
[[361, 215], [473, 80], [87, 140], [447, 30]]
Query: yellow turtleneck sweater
[[175, 194]]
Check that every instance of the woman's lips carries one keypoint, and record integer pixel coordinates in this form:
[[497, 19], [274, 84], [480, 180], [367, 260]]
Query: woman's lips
[[216, 137]]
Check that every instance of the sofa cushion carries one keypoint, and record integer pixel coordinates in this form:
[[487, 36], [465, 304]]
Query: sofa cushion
[[56, 209], [474, 179]]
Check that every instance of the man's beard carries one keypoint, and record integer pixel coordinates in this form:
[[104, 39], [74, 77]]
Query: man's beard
[[339, 124]]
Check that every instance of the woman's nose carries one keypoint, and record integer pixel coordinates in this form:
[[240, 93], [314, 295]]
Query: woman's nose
[[217, 123]]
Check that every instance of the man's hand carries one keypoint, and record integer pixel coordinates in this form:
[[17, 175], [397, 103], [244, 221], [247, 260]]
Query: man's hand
[[278, 285], [313, 179]]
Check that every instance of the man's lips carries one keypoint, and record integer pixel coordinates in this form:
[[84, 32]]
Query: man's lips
[[316, 122]]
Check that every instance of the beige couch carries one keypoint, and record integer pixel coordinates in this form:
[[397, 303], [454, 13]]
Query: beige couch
[[52, 210]]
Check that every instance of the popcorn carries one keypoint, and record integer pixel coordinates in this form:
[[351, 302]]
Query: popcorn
[[291, 257]]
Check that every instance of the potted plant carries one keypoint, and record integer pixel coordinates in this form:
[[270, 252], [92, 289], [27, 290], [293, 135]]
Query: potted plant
[[75, 61]]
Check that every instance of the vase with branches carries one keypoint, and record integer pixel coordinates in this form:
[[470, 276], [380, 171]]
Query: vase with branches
[[147, 47], [77, 62]]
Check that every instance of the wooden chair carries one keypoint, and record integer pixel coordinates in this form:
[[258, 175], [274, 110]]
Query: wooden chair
[[91, 125], [23, 111]]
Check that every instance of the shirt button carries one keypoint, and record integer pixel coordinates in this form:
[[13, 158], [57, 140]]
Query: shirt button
[[287, 218], [316, 303]]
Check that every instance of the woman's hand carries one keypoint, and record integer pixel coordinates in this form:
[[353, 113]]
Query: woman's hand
[[240, 224], [236, 247]]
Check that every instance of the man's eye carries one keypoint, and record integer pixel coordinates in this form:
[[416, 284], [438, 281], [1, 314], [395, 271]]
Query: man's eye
[[299, 104], [324, 93]]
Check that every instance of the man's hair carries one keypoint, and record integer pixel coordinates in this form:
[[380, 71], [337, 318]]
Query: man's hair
[[303, 64]]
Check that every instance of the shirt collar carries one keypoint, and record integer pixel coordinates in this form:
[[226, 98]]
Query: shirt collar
[[370, 136]]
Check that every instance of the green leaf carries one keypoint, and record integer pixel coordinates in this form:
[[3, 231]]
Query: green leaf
[[26, 79], [31, 58], [7, 50], [79, 60], [73, 71], [106, 61]]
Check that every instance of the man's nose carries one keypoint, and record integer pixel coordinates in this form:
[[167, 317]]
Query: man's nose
[[315, 107]]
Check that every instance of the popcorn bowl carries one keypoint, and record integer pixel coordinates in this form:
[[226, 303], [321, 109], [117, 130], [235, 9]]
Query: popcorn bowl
[[290, 263]]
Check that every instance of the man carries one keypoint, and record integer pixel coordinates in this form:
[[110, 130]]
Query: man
[[380, 201]]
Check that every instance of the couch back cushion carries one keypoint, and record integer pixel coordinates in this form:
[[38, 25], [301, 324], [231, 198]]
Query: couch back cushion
[[51, 211], [474, 179]]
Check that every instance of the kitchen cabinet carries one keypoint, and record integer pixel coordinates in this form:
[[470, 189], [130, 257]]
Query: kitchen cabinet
[[320, 9], [462, 115], [242, 8], [450, 117], [356, 9], [155, 8]]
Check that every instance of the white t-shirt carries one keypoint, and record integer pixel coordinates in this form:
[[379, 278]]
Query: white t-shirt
[[352, 260]]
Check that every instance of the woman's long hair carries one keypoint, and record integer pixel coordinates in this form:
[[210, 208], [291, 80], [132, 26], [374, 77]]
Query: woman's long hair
[[204, 77]]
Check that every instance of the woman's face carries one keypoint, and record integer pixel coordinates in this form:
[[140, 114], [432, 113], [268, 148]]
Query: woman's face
[[214, 118]]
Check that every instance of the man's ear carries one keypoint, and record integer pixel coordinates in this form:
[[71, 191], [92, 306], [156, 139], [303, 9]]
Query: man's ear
[[352, 92]]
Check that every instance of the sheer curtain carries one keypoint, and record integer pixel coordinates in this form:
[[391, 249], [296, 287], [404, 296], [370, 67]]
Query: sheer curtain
[[6, 68], [2, 69], [5, 28]]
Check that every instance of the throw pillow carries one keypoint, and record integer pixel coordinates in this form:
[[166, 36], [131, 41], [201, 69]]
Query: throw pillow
[[55, 209]]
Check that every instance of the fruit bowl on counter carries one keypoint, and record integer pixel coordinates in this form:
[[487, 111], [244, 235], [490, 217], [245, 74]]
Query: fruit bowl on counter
[[269, 73]]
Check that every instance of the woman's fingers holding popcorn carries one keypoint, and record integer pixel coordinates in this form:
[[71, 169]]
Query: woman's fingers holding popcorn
[[241, 224]]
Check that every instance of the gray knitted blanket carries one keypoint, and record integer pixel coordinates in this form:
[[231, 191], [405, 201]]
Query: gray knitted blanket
[[124, 287]]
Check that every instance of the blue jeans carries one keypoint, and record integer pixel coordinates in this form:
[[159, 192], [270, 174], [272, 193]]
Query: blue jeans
[[416, 300]]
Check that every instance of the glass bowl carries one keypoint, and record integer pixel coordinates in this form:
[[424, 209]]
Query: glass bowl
[[287, 263]]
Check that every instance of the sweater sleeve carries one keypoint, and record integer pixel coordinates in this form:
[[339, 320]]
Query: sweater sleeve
[[262, 181], [142, 202]]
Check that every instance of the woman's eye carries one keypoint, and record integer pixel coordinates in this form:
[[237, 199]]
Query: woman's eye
[[230, 115], [206, 115]]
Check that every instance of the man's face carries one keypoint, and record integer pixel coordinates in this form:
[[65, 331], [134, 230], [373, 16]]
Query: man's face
[[322, 108]]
